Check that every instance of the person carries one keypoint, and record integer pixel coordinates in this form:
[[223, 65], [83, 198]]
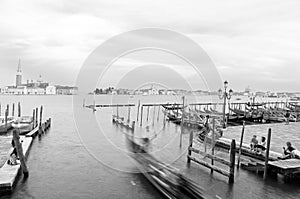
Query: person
[[13, 154], [288, 152], [287, 117], [262, 145], [253, 142]]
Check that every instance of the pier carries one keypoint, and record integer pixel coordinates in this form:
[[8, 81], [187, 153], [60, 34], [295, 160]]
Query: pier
[[9, 173]]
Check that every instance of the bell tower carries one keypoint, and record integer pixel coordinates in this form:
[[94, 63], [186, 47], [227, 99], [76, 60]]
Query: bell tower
[[19, 75]]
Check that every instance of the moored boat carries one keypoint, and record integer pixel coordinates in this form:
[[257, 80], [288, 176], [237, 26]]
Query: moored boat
[[24, 124]]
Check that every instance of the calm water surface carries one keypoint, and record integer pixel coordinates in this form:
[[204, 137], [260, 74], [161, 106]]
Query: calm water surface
[[60, 165]]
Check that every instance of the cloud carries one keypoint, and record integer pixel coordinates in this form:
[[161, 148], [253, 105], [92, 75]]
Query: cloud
[[251, 42]]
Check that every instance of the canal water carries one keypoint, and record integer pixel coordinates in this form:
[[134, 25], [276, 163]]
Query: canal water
[[92, 161]]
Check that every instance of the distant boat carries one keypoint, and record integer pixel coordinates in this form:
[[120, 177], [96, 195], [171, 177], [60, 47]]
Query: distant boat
[[5, 127]]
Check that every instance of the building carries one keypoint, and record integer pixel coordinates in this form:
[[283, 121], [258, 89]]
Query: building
[[50, 90], [19, 75], [66, 90]]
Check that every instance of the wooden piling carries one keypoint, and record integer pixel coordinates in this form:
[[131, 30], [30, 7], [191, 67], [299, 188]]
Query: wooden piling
[[267, 154], [117, 111], [133, 125], [41, 115], [19, 109], [13, 110], [128, 116], [241, 145], [36, 117], [153, 115], [7, 109], [213, 144], [232, 161], [158, 113], [33, 119], [190, 146], [148, 113], [20, 153], [138, 111], [165, 118], [6, 115], [182, 120], [141, 122]]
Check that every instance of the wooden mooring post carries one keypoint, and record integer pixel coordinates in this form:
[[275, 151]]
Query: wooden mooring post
[[182, 120], [33, 119], [7, 109], [36, 116], [41, 115], [128, 116], [141, 122], [20, 153], [213, 157], [19, 109], [213, 145], [267, 154], [13, 110], [153, 116], [241, 145], [148, 113], [138, 111], [6, 116], [232, 161]]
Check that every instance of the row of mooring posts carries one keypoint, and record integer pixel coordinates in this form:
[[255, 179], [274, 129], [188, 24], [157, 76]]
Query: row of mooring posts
[[6, 112], [42, 128], [213, 157], [267, 153]]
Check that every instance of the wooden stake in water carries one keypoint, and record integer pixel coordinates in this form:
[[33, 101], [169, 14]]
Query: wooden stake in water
[[241, 145], [13, 110], [148, 113], [138, 111], [128, 117], [20, 153], [33, 119], [213, 144], [141, 122], [190, 146], [182, 120], [232, 161], [41, 115], [19, 109], [158, 113], [36, 116], [7, 109], [153, 115], [267, 154]]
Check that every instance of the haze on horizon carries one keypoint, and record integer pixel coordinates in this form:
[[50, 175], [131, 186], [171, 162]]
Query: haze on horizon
[[251, 42]]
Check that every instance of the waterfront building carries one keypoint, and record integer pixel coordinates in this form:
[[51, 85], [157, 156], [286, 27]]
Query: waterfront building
[[66, 90]]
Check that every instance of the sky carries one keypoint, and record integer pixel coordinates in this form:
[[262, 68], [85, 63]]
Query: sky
[[252, 43]]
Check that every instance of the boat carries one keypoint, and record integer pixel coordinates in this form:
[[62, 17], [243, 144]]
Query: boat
[[5, 126], [24, 124], [225, 143], [166, 179]]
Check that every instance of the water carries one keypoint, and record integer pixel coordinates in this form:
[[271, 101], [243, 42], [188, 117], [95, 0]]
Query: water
[[61, 165]]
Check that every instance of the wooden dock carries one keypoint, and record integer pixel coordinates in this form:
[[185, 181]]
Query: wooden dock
[[9, 173]]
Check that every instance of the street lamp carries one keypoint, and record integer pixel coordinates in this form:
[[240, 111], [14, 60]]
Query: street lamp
[[225, 95]]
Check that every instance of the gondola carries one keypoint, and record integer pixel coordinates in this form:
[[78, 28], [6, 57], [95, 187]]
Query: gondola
[[166, 179]]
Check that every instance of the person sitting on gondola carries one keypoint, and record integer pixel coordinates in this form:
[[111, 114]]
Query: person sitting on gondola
[[261, 146], [288, 152], [253, 142]]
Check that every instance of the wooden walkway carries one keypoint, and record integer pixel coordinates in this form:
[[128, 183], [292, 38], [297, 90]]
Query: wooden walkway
[[9, 173]]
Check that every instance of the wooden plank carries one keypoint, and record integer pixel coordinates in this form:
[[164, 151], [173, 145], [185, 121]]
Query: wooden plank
[[216, 158], [208, 165], [33, 133]]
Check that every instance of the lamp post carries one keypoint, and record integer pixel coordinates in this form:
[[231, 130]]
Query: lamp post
[[226, 95]]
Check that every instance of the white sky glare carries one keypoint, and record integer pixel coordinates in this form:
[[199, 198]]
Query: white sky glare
[[251, 42]]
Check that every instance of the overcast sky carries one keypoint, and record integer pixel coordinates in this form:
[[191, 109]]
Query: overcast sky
[[254, 43]]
